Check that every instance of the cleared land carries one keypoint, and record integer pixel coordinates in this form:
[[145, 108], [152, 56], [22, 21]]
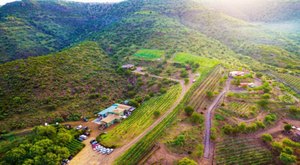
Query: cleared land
[[190, 58], [149, 54]]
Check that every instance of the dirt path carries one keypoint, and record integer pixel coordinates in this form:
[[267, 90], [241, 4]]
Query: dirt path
[[207, 145], [89, 157]]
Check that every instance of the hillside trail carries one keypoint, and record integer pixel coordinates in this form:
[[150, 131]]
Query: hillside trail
[[89, 157], [207, 144]]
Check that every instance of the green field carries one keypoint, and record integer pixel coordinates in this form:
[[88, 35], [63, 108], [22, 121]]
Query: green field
[[141, 119], [242, 151], [149, 54], [202, 61]]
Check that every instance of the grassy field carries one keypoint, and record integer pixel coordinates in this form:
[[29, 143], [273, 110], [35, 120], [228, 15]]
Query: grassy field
[[202, 61], [242, 151], [141, 119], [149, 54]]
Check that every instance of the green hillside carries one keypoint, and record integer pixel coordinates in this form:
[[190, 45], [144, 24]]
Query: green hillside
[[62, 86], [37, 27]]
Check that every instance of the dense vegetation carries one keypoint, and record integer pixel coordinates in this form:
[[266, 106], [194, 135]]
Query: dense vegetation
[[64, 86], [46, 145]]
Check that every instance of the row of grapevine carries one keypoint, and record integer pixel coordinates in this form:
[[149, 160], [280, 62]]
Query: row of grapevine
[[292, 81], [75, 146], [242, 151], [141, 119], [142, 147], [241, 109], [210, 84]]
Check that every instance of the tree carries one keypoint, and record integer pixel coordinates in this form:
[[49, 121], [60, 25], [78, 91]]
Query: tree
[[15, 156], [263, 103], [287, 127], [186, 161], [189, 110], [266, 96], [48, 131], [288, 150], [267, 137], [196, 118], [156, 114], [287, 158], [179, 141], [209, 94], [63, 138]]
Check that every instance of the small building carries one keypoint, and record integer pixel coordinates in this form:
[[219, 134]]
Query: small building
[[251, 85], [236, 73], [110, 120], [107, 111], [128, 66]]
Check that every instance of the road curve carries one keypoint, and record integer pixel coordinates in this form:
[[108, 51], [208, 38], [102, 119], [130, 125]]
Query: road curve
[[207, 146]]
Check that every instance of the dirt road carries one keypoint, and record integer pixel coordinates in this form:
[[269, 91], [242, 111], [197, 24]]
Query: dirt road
[[89, 157], [207, 146]]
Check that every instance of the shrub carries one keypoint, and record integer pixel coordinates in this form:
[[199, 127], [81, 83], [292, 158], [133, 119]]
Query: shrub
[[50, 107], [287, 127], [288, 150], [263, 103], [94, 96], [189, 110], [287, 158], [179, 141], [196, 118], [156, 114], [267, 138], [209, 94], [186, 161], [266, 96], [134, 103]]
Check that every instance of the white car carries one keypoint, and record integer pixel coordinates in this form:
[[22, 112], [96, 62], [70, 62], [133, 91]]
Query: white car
[[79, 127]]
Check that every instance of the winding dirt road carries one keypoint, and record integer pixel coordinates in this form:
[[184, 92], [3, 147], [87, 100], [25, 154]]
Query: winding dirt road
[[89, 157], [207, 145]]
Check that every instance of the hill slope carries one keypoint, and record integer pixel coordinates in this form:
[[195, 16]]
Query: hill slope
[[37, 27]]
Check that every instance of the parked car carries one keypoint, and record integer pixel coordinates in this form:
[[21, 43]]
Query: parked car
[[84, 137], [79, 127]]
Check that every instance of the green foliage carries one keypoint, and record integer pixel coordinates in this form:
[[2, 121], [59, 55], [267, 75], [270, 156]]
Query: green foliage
[[47, 145], [197, 118], [189, 110], [179, 140], [270, 118], [287, 158], [156, 114], [210, 94], [263, 103], [287, 127], [267, 138], [186, 161]]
